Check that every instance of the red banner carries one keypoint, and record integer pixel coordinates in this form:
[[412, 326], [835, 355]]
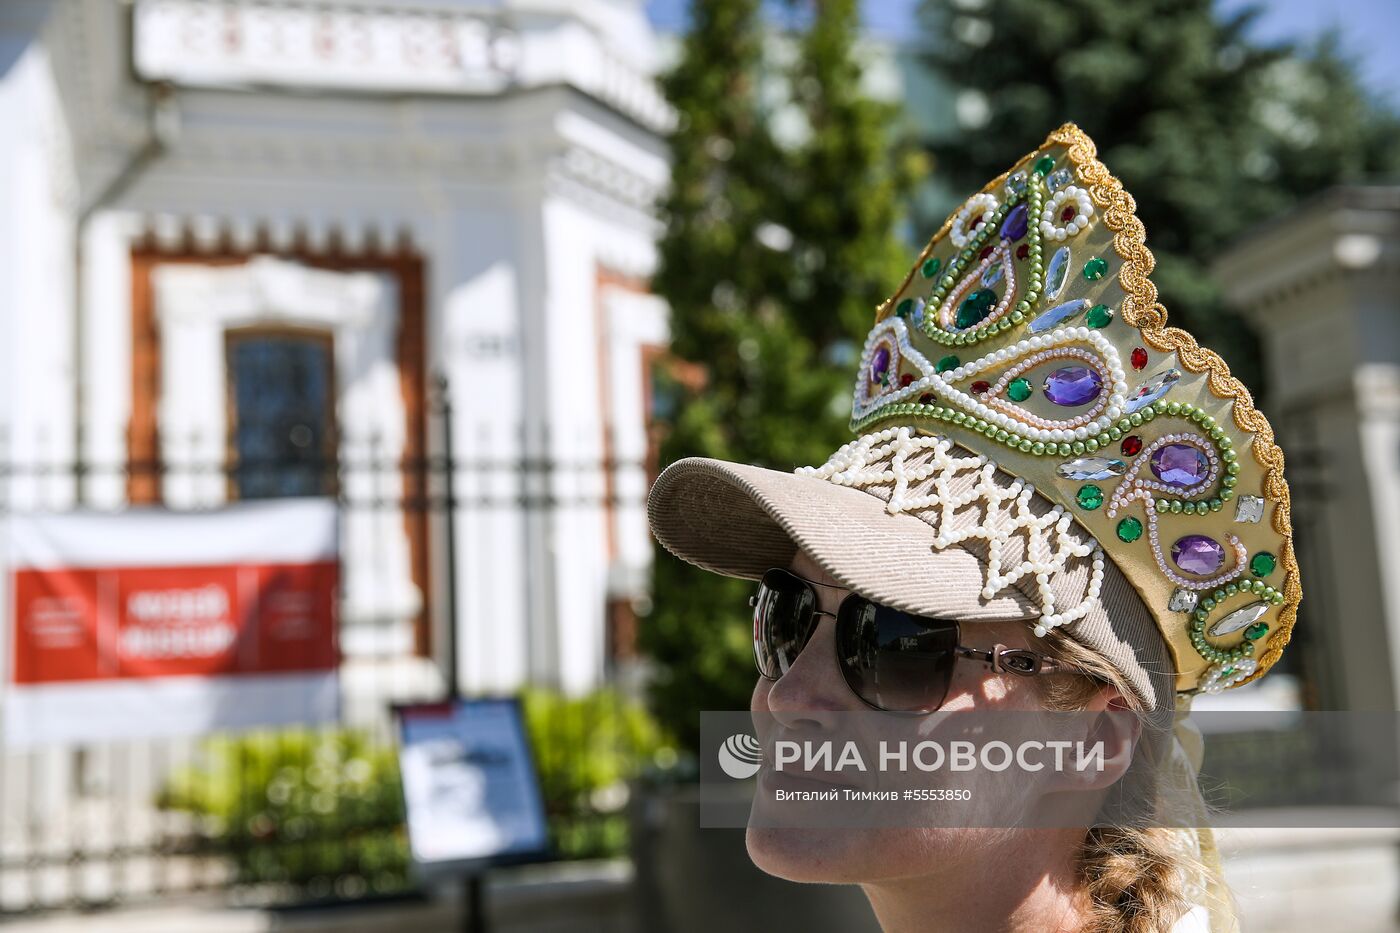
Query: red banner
[[137, 622], [162, 623]]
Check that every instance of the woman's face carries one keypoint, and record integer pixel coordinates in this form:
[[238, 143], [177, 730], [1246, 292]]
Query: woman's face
[[805, 702]]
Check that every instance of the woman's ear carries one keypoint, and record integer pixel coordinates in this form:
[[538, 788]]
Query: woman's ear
[[1105, 734], [1112, 730]]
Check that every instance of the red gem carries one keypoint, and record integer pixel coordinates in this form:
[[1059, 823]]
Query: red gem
[[1023, 251], [905, 379], [1132, 445], [1138, 358], [981, 387], [1068, 213], [986, 251], [926, 398]]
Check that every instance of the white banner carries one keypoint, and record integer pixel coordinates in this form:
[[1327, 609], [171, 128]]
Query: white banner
[[157, 623]]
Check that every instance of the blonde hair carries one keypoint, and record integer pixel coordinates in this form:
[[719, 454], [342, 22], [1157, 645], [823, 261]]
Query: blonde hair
[[1138, 878]]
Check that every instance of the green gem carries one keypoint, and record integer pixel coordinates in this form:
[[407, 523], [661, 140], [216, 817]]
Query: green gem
[[1096, 268], [1090, 497], [1044, 165], [975, 307], [1129, 530], [948, 362], [905, 306], [931, 266], [1098, 316], [1019, 390], [1262, 564], [1257, 631], [1226, 672]]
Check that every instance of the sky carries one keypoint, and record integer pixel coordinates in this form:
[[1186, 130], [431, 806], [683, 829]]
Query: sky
[[1369, 28]]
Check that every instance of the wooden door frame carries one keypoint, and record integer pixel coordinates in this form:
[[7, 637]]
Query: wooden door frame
[[401, 263]]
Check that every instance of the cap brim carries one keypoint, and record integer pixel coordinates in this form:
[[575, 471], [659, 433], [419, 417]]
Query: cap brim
[[740, 520]]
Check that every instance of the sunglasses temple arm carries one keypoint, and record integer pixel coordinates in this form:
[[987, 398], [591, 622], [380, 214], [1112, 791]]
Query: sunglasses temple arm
[[986, 657], [993, 659]]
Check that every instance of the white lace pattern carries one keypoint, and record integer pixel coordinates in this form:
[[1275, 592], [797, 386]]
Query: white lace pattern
[[1007, 512]]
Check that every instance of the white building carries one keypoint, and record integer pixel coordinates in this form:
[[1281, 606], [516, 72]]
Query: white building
[[212, 207]]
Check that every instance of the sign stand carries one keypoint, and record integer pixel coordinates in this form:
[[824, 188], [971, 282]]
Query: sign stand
[[471, 794], [470, 787], [475, 913]]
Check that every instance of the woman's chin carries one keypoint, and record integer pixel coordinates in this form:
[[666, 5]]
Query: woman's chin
[[826, 856]]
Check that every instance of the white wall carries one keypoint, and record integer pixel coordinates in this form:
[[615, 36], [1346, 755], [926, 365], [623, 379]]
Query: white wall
[[515, 202]]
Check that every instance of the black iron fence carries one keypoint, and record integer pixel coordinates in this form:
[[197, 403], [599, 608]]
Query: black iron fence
[[282, 815]]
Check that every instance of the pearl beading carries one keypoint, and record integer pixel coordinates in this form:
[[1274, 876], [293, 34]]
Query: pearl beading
[[1084, 208], [891, 330], [1241, 552], [1216, 679], [947, 313], [942, 383], [1006, 512], [1127, 492], [995, 400], [1140, 489], [982, 205]]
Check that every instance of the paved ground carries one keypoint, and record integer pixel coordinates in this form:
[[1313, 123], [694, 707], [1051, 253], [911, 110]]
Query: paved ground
[[1285, 881]]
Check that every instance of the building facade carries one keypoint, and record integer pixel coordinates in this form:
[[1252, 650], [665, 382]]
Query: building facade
[[1321, 286], [242, 238]]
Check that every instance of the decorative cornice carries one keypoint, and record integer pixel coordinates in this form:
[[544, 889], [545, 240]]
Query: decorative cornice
[[376, 49]]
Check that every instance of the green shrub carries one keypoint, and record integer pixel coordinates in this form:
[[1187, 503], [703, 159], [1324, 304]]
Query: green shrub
[[587, 749], [323, 810], [315, 809]]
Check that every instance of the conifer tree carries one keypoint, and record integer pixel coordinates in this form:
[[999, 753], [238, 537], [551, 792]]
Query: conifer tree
[[1211, 132], [775, 255]]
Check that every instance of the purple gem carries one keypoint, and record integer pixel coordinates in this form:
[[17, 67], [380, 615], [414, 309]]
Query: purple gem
[[1014, 226], [1073, 385], [1198, 554], [1179, 465], [879, 364]]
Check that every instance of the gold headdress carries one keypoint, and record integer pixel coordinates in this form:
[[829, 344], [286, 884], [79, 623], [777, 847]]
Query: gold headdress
[[1029, 331]]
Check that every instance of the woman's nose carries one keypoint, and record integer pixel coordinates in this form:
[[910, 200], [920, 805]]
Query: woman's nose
[[813, 688]]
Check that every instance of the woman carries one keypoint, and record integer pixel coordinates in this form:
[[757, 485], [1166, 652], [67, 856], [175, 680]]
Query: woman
[[1073, 508]]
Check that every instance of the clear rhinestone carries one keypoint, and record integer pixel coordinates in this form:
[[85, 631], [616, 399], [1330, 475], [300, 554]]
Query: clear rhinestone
[[1091, 468], [1057, 273], [1059, 178], [1182, 600], [1153, 389], [1016, 183], [993, 274], [1249, 509], [1239, 619], [1057, 315]]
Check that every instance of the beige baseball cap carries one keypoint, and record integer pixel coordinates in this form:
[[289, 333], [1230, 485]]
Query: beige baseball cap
[[875, 517]]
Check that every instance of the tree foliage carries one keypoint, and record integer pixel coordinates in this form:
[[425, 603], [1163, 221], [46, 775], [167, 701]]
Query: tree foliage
[[776, 252], [1212, 133]]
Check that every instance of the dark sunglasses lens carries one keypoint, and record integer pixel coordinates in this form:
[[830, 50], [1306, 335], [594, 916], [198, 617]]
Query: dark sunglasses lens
[[782, 622], [895, 660]]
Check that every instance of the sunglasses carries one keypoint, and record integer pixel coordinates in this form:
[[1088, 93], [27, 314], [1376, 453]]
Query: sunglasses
[[893, 660]]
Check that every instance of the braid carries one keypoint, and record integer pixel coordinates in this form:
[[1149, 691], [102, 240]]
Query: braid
[[1134, 879]]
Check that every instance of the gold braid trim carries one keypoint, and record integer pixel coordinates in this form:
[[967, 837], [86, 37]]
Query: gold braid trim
[[1142, 310]]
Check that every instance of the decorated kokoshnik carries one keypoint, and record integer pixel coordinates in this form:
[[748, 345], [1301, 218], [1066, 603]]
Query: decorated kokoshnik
[[1062, 372]]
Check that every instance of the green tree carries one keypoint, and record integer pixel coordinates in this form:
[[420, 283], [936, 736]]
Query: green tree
[[1210, 132], [775, 255]]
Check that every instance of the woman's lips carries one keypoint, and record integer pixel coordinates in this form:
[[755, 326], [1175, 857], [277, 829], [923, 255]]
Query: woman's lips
[[797, 780]]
